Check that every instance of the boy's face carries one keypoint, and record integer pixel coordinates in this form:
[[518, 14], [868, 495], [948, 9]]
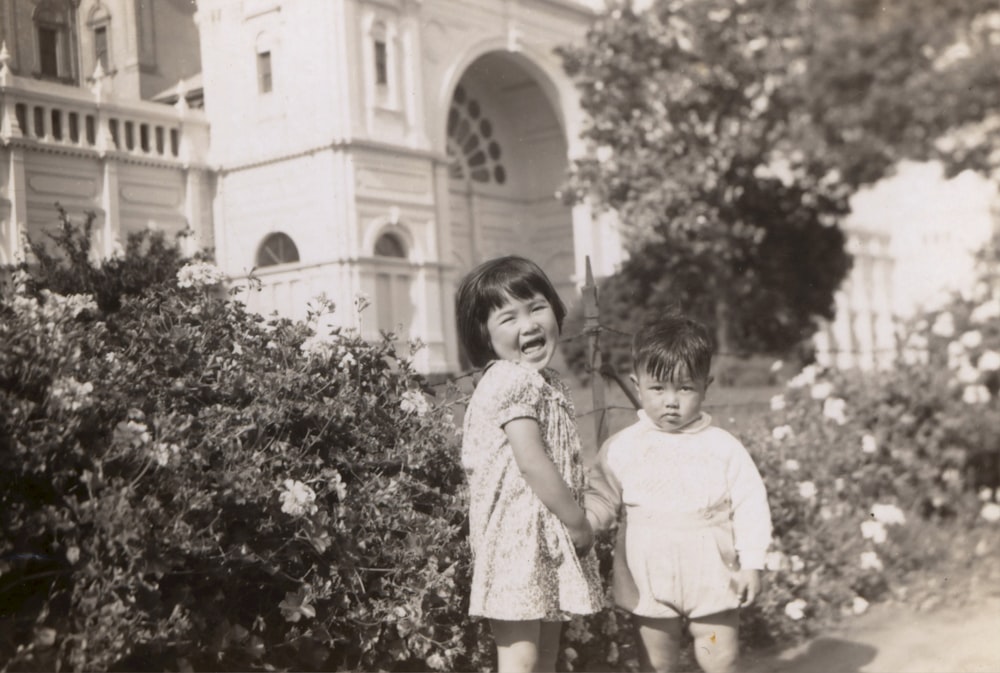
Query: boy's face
[[671, 404]]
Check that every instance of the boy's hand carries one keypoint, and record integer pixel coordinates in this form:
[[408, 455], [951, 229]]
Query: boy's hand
[[748, 586], [582, 537]]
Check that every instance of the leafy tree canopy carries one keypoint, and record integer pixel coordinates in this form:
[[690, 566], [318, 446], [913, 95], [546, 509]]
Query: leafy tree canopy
[[704, 145]]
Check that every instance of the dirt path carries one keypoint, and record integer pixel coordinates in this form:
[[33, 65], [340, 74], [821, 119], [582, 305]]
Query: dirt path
[[896, 638]]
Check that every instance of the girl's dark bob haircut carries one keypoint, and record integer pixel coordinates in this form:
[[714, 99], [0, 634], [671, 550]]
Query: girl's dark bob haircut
[[489, 286]]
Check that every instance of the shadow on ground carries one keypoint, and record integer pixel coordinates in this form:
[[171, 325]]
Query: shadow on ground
[[824, 655]]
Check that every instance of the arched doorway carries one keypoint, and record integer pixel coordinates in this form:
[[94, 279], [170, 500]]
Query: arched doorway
[[509, 157]]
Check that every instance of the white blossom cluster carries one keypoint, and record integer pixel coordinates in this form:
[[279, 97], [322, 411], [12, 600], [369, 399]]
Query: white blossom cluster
[[199, 274], [413, 402], [297, 499], [70, 395]]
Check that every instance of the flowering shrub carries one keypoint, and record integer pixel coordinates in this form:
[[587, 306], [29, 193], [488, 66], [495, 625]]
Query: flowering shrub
[[184, 485], [187, 485]]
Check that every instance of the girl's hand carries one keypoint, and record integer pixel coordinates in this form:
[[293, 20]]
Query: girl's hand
[[748, 586], [582, 537]]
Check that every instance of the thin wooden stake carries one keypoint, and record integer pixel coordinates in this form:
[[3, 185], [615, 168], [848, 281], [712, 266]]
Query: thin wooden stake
[[592, 328]]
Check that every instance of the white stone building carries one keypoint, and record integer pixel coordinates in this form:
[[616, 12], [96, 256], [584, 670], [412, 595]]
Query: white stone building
[[373, 146], [331, 146]]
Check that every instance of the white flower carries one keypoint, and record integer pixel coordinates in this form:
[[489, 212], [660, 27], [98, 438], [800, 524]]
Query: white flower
[[834, 408], [977, 394], [297, 498], [792, 465], [804, 378], [859, 605], [870, 561], [970, 339], [782, 432], [839, 484], [773, 560], [986, 494], [822, 390], [989, 361], [162, 453], [966, 373], [199, 274], [73, 554], [413, 402], [797, 563], [944, 325], [951, 476], [604, 153], [874, 531], [339, 486], [986, 312], [776, 366], [777, 403], [990, 512], [796, 609], [888, 514], [347, 359], [807, 490], [868, 444], [69, 394]]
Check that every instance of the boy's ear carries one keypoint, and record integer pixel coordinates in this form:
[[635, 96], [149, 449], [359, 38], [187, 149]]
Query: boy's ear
[[708, 381], [635, 380]]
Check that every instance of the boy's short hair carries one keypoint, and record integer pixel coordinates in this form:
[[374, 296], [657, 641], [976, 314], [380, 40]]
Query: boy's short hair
[[488, 287], [660, 347]]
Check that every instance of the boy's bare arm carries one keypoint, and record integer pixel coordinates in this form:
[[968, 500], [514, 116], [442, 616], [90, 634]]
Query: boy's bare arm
[[603, 495]]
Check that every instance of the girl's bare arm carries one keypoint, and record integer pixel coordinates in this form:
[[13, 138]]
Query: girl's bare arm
[[543, 478]]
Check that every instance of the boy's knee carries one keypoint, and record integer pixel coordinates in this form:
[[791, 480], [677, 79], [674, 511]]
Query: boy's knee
[[716, 643]]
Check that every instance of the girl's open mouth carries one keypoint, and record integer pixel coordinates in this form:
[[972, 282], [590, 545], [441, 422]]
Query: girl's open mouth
[[533, 344]]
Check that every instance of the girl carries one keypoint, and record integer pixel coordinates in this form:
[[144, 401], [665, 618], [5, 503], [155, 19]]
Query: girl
[[532, 563]]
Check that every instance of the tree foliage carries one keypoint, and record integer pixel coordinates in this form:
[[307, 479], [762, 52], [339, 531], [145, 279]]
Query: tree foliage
[[704, 145]]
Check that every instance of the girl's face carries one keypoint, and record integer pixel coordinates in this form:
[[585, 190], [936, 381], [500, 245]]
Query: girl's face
[[673, 403], [524, 331]]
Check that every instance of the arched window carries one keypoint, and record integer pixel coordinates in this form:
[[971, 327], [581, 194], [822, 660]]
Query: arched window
[[52, 39], [393, 282], [277, 249], [264, 47], [389, 245], [474, 151], [99, 23]]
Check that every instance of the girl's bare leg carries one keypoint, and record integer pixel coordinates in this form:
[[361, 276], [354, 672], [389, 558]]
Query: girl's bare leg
[[548, 646], [659, 641], [517, 645], [716, 641]]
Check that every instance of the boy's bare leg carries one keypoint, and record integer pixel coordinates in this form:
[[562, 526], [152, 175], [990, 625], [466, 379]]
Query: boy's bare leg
[[716, 641], [659, 641]]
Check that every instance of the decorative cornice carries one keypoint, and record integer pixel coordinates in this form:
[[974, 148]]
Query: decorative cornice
[[117, 156], [341, 145]]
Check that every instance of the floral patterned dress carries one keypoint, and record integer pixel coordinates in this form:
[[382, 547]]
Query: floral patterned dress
[[524, 563]]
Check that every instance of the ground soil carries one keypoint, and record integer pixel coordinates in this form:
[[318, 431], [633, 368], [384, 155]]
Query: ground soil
[[946, 623]]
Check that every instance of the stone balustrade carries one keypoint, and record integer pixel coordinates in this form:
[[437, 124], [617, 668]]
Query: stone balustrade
[[34, 112]]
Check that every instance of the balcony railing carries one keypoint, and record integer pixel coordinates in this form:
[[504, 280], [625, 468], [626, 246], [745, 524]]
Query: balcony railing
[[93, 119]]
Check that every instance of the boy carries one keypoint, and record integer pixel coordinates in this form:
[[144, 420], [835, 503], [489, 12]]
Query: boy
[[697, 525]]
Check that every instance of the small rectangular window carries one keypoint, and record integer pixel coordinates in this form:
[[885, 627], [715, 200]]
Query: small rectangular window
[[381, 63], [101, 46], [264, 83], [48, 51]]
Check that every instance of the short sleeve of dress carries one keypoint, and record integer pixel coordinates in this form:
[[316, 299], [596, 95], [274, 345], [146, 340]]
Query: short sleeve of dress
[[513, 391]]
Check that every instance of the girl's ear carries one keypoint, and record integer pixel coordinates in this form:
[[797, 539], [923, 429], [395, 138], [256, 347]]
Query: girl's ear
[[635, 381], [708, 381]]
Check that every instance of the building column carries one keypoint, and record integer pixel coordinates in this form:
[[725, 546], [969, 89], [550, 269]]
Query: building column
[[17, 191]]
